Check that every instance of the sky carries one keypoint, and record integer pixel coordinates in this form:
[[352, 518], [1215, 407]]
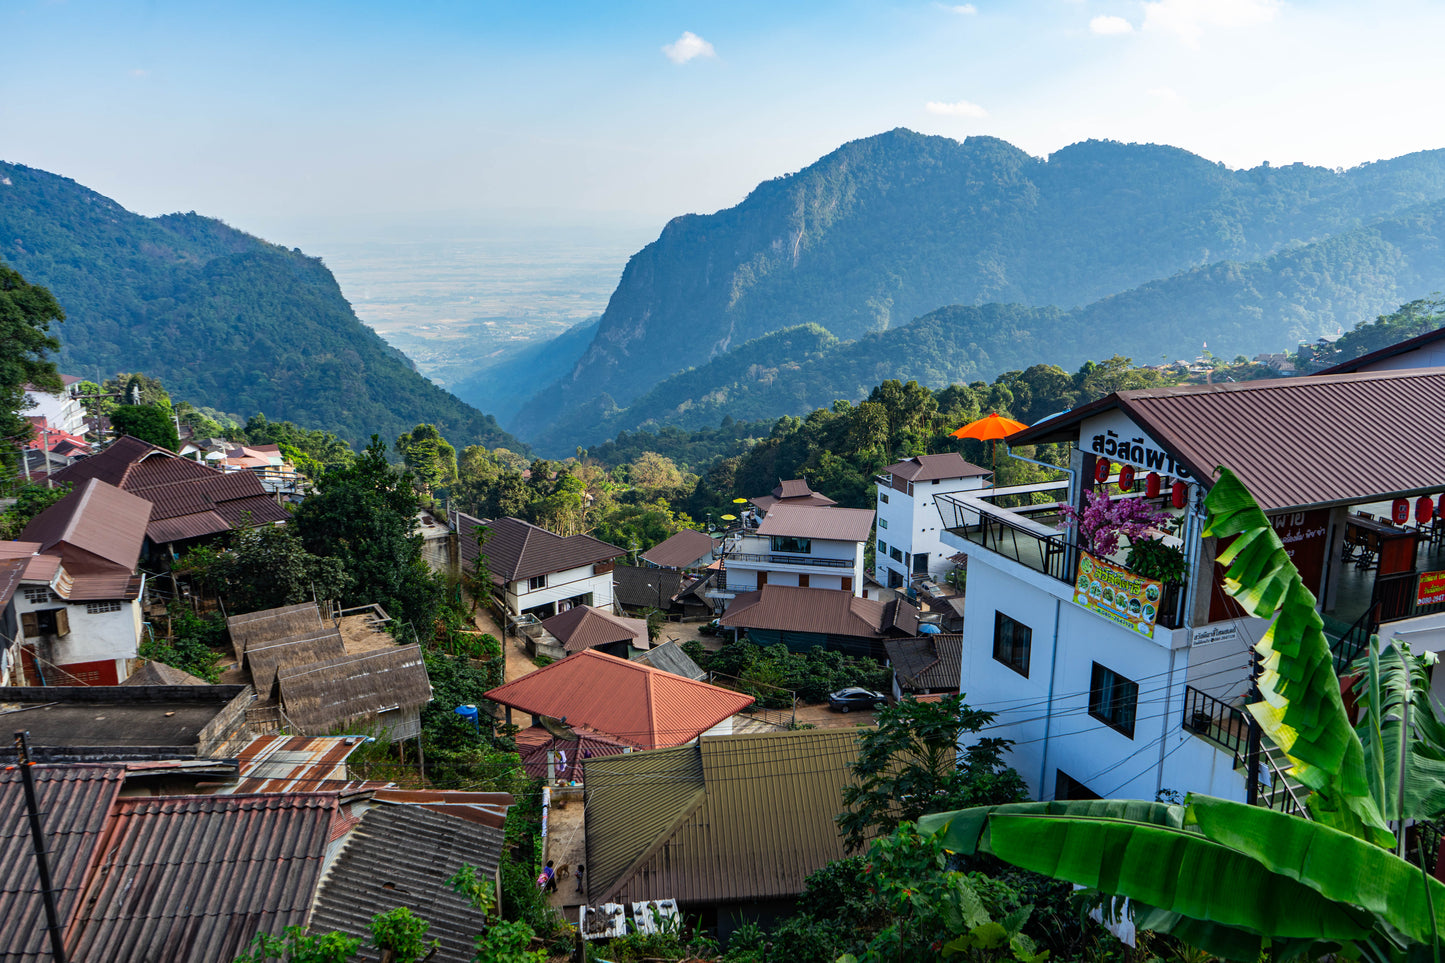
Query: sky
[[297, 118]]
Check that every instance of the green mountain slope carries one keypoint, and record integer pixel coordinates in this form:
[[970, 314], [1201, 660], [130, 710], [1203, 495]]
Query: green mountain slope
[[1265, 304], [503, 383], [225, 319], [891, 227]]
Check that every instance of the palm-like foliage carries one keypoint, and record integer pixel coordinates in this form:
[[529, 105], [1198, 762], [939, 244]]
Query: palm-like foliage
[[1240, 881]]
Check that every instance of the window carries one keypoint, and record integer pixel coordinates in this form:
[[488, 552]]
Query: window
[[37, 595], [882, 498], [803, 580], [1113, 699], [792, 546], [536, 582], [937, 480], [896, 554], [100, 608], [882, 523], [847, 583], [1011, 643], [882, 547], [1067, 787]]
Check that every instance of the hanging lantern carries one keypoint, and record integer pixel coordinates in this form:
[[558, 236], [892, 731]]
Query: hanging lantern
[[1151, 485], [1179, 494], [1424, 509], [1101, 471], [1400, 511], [1126, 478]]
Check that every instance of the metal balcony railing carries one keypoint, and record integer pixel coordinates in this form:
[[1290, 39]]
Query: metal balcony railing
[[790, 560], [1015, 534]]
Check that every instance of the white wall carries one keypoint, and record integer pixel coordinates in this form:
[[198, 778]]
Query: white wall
[[92, 638], [743, 573], [912, 524], [61, 411], [1429, 356], [563, 585]]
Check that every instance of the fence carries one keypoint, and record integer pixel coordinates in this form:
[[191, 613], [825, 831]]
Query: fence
[[784, 718]]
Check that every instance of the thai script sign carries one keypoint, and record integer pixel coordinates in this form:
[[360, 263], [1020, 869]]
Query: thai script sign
[[1303, 535], [1118, 594], [1432, 588], [1117, 438]]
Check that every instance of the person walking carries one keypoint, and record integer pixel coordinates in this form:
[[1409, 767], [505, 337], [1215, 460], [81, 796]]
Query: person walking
[[547, 880], [580, 868]]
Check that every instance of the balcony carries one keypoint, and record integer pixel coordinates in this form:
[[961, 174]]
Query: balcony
[[808, 560]]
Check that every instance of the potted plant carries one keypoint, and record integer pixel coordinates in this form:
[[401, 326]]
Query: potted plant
[[1152, 558]]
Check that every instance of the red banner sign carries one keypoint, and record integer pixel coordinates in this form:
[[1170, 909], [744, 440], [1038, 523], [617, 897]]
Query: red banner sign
[[1432, 588]]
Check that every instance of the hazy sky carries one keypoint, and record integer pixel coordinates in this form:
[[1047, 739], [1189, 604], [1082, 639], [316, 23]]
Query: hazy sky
[[294, 112]]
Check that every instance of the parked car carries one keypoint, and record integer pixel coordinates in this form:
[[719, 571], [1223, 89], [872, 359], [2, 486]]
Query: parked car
[[855, 698]]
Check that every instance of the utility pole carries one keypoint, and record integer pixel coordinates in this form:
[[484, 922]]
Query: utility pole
[[37, 835]]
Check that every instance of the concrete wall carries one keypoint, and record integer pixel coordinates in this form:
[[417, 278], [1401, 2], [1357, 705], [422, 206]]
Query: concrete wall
[[563, 585], [743, 573], [93, 637], [911, 523]]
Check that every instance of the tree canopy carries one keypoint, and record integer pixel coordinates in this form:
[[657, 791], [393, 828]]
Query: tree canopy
[[27, 348]]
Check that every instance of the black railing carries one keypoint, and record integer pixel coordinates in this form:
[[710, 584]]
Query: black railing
[[790, 560], [1014, 534], [1397, 596], [1351, 645], [1221, 723]]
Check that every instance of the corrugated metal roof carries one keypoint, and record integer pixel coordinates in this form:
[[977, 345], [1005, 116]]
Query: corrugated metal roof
[[484, 808], [583, 627], [403, 856], [194, 878], [810, 521], [669, 657], [518, 549], [646, 587], [275, 763], [638, 704], [74, 801], [97, 528], [1293, 441], [681, 550], [927, 662], [949, 464], [91, 588], [737, 818], [788, 608], [11, 571]]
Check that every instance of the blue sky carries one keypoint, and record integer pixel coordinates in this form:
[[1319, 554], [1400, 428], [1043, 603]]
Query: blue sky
[[279, 115]]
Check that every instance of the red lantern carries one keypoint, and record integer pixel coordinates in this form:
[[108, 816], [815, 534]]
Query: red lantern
[[1126, 478], [1101, 471], [1400, 511], [1151, 485], [1424, 509], [1179, 494]]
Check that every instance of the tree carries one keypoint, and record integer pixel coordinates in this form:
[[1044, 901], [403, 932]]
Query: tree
[[30, 501], [430, 456], [909, 765], [364, 515], [152, 423], [1238, 880], [26, 313], [267, 567]]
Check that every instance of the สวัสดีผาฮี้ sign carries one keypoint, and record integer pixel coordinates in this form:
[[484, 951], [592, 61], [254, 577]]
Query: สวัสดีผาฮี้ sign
[[1118, 594], [1115, 436]]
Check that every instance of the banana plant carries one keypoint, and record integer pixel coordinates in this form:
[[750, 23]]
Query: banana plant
[[1240, 881]]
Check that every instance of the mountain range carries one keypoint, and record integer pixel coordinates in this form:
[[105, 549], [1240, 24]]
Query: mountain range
[[904, 255], [225, 319]]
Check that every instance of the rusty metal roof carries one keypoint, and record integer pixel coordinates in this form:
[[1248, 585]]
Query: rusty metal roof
[[274, 763], [812, 521], [636, 703], [921, 468], [196, 877], [685, 548], [74, 800], [788, 608], [11, 571], [1295, 443], [735, 819], [583, 627], [404, 856], [97, 528]]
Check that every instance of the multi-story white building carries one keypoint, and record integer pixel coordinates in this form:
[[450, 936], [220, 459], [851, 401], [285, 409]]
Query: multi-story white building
[[909, 539], [61, 410], [1114, 684], [800, 545], [538, 573]]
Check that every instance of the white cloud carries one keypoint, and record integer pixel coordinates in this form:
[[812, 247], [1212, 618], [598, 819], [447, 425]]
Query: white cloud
[[1110, 26], [688, 47], [1167, 95], [966, 9], [1188, 19], [959, 108]]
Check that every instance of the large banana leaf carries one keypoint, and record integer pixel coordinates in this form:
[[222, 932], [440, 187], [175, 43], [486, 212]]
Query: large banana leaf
[[963, 831], [1391, 682], [1302, 710]]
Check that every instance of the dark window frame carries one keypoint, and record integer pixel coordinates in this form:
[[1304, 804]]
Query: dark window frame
[[1113, 699], [1008, 648], [791, 545], [536, 583]]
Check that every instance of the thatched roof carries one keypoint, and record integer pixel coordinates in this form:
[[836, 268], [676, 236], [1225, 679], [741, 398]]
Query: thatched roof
[[354, 690], [280, 623], [265, 657], [158, 673]]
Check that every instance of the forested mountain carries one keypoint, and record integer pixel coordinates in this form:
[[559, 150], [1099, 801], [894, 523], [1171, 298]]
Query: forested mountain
[[225, 319], [504, 383], [892, 227]]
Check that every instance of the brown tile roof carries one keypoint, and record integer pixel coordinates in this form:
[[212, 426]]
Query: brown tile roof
[[354, 690], [921, 468], [583, 627], [518, 549], [735, 819], [1292, 441], [158, 673], [404, 856], [682, 550], [196, 877], [927, 662], [96, 529], [809, 521], [795, 491], [646, 587], [641, 705], [787, 608], [74, 800]]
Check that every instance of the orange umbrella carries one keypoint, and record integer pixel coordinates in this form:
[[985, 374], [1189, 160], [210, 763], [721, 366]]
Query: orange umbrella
[[992, 428]]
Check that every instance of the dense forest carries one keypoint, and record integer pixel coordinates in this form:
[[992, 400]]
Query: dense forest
[[1149, 250], [227, 320]]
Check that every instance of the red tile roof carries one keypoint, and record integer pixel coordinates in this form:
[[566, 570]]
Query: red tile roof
[[638, 704], [75, 800]]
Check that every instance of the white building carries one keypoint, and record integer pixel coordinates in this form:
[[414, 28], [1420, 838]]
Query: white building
[[800, 545], [60, 410], [537, 573], [909, 539], [1114, 685]]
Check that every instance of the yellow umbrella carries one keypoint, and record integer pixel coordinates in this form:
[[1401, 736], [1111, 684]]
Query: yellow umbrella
[[992, 428]]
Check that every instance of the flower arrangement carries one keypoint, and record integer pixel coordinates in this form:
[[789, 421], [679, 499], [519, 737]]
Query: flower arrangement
[[1104, 520]]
